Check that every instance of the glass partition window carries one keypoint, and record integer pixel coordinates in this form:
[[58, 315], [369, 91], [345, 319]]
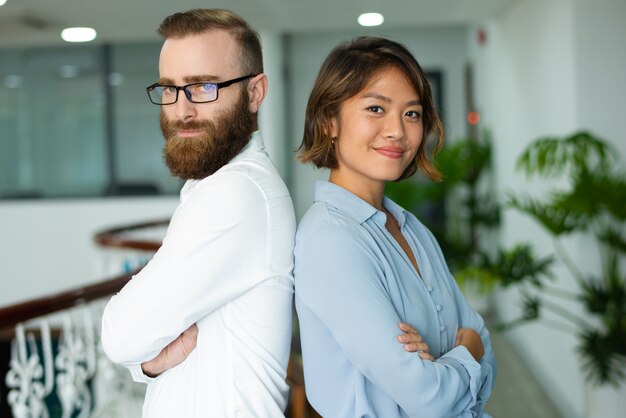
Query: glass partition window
[[68, 129], [138, 140], [51, 140]]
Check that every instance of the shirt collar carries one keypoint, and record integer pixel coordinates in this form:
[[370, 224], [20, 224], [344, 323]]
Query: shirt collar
[[254, 145], [396, 210], [355, 207]]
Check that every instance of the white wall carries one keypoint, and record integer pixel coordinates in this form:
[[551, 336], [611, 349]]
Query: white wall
[[600, 64], [46, 246], [441, 49], [549, 68], [272, 114]]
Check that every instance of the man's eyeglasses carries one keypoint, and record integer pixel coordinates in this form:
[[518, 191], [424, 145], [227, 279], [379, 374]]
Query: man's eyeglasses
[[164, 94]]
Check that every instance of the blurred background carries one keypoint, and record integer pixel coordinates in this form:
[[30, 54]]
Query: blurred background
[[531, 215]]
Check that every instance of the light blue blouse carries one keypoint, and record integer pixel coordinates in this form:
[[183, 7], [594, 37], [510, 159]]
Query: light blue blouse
[[354, 283]]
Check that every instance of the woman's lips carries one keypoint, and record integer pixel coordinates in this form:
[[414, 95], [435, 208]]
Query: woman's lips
[[391, 152]]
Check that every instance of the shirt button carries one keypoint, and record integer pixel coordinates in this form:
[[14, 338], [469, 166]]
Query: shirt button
[[442, 328], [438, 307], [430, 289]]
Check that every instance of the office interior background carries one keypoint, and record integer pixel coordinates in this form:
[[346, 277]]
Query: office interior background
[[80, 147]]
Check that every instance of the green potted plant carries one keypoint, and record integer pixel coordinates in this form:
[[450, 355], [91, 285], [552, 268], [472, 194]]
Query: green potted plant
[[594, 203]]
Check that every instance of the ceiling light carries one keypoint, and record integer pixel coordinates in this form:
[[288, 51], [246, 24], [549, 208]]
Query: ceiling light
[[371, 19], [2, 2], [78, 34]]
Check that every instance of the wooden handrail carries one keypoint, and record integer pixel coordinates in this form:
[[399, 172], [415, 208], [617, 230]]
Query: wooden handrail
[[20, 312], [111, 238]]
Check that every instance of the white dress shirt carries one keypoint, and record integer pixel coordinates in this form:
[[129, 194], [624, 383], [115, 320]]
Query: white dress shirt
[[225, 264]]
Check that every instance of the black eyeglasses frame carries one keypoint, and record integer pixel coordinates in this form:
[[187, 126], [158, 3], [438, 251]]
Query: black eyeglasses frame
[[219, 85]]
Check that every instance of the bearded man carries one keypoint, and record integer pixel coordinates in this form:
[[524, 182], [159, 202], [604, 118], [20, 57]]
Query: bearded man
[[222, 278]]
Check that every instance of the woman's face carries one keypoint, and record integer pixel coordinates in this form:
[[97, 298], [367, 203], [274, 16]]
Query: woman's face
[[378, 131]]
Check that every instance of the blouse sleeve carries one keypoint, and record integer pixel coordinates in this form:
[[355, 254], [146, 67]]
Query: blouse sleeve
[[468, 318], [471, 319], [339, 279]]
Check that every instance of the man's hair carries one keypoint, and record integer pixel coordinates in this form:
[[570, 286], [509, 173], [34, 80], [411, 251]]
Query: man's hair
[[346, 71], [197, 21]]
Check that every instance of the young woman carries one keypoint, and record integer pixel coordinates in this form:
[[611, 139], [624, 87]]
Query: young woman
[[385, 330]]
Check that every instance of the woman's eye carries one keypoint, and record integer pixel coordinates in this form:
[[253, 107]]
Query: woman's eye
[[375, 109], [414, 114]]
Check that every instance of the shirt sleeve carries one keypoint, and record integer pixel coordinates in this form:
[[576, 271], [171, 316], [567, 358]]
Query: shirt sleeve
[[339, 279], [214, 251], [468, 318]]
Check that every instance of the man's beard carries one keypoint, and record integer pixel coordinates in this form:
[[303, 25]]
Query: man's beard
[[200, 156]]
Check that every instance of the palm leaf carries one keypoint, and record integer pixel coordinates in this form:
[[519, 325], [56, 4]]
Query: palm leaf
[[601, 358], [610, 190], [552, 156], [614, 239], [486, 211], [557, 218], [516, 265], [463, 161]]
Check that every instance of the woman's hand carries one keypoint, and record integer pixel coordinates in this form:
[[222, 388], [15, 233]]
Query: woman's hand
[[471, 340], [413, 342]]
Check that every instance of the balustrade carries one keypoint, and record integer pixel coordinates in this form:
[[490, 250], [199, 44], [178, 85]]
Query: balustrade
[[57, 367]]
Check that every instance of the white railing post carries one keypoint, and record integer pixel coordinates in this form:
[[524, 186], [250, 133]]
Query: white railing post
[[86, 383], [24, 378]]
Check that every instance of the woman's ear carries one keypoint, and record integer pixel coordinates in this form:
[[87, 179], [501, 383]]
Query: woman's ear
[[257, 89], [333, 128]]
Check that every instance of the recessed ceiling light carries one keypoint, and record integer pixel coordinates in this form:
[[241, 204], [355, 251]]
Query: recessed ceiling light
[[78, 34], [2, 2], [371, 19]]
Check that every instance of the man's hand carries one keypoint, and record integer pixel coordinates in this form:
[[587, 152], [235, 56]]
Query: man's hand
[[413, 342], [173, 354], [471, 340]]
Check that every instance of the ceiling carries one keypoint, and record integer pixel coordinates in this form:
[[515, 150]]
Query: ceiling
[[39, 22]]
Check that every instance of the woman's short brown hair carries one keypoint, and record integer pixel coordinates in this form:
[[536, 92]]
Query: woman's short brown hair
[[197, 21], [346, 71]]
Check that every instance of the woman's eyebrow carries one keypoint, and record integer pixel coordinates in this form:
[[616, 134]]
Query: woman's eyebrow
[[388, 100]]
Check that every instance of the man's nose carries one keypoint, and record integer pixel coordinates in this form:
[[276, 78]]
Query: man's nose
[[185, 110]]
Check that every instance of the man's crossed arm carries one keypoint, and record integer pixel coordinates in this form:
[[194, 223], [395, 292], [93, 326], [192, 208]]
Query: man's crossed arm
[[173, 354]]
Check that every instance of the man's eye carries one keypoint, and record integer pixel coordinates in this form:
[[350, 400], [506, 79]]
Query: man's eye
[[203, 88], [169, 89], [208, 87]]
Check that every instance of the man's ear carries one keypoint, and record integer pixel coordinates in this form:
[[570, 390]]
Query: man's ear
[[257, 89]]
